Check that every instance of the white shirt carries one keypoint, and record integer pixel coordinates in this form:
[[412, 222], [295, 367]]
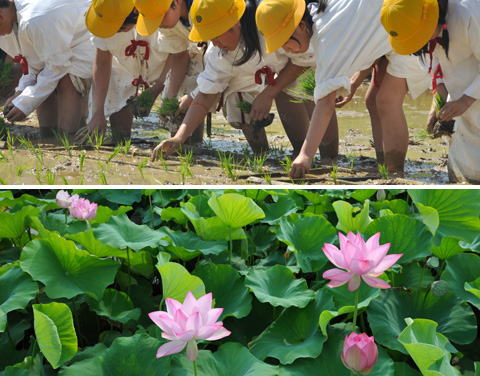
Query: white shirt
[[52, 36], [348, 37]]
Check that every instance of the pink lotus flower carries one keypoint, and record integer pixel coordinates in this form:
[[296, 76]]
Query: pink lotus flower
[[64, 200], [359, 353], [81, 208], [361, 260], [185, 323]]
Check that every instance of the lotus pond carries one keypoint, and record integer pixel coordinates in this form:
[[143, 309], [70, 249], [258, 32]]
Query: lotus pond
[[288, 282]]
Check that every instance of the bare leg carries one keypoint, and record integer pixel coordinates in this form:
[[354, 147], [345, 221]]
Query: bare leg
[[47, 117], [70, 106], [121, 123], [256, 137], [393, 122], [197, 135], [371, 103]]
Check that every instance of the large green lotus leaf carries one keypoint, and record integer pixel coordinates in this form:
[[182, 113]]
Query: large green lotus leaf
[[116, 305], [95, 247], [278, 286], [305, 235], [414, 276], [164, 197], [429, 216], [235, 210], [28, 367], [120, 232], [293, 335], [458, 210], [65, 270], [460, 269], [342, 301], [17, 290], [128, 356], [274, 212], [472, 287], [387, 315], [116, 196], [347, 221], [3, 320], [172, 214], [448, 247], [177, 282], [405, 234], [230, 359], [227, 287], [13, 225], [316, 203], [395, 206], [329, 362], [187, 246], [403, 369], [55, 332], [430, 350], [104, 213]]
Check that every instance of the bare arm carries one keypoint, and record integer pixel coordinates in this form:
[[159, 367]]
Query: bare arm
[[102, 70], [321, 117], [178, 64], [263, 102]]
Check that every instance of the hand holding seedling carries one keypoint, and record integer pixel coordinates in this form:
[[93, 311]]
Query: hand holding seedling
[[300, 166], [166, 148], [261, 107], [13, 114], [455, 108]]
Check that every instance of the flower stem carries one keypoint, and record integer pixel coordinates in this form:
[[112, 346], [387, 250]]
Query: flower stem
[[195, 370], [355, 312]]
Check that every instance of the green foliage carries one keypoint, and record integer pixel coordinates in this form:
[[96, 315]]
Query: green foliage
[[68, 285]]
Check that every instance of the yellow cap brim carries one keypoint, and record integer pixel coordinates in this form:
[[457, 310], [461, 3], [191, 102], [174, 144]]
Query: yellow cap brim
[[423, 34], [276, 41], [147, 26], [98, 27], [214, 30]]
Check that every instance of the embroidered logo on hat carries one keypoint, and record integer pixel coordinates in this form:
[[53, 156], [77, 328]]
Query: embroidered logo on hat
[[393, 33], [199, 19]]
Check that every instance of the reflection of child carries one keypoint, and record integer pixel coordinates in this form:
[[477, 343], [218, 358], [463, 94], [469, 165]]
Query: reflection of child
[[51, 42], [450, 33], [348, 38], [125, 62]]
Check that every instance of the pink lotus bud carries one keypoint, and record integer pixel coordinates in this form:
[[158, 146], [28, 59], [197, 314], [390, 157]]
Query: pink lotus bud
[[64, 200], [81, 208], [359, 353], [183, 324], [361, 260]]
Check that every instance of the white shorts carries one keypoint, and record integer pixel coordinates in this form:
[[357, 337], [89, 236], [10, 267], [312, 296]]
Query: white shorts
[[411, 68]]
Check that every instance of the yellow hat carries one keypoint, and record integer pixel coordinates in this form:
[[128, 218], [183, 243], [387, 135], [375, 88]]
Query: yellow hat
[[151, 14], [104, 18], [409, 23], [212, 18], [277, 21]]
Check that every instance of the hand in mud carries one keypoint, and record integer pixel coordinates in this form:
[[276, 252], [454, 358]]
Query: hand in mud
[[166, 147], [456, 108], [184, 103], [98, 123], [300, 166], [261, 107], [14, 114]]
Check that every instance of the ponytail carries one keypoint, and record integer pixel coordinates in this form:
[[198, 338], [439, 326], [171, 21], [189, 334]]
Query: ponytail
[[249, 34], [322, 5]]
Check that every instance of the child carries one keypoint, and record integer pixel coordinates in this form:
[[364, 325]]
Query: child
[[51, 42], [234, 63], [448, 31], [125, 63], [348, 41]]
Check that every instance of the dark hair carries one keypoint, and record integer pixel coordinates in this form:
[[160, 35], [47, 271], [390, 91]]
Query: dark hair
[[131, 18], [307, 16], [445, 37], [249, 34], [4, 3]]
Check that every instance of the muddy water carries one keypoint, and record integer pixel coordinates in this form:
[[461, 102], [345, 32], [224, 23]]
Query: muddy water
[[48, 164]]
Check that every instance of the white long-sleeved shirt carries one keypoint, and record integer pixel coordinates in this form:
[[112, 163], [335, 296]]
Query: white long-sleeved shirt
[[52, 36], [348, 37]]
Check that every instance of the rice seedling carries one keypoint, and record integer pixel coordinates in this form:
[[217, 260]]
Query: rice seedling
[[141, 166], [50, 177], [162, 161], [383, 170], [2, 182], [286, 164], [185, 166], [81, 159], [246, 108], [256, 163], [102, 178], [65, 141], [334, 173], [168, 107], [10, 141], [351, 161], [96, 139], [3, 157], [64, 180], [125, 146], [267, 178], [142, 104], [38, 152], [227, 162], [20, 170], [114, 153], [26, 144]]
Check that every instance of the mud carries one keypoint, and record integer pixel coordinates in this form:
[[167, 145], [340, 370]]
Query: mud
[[22, 162]]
